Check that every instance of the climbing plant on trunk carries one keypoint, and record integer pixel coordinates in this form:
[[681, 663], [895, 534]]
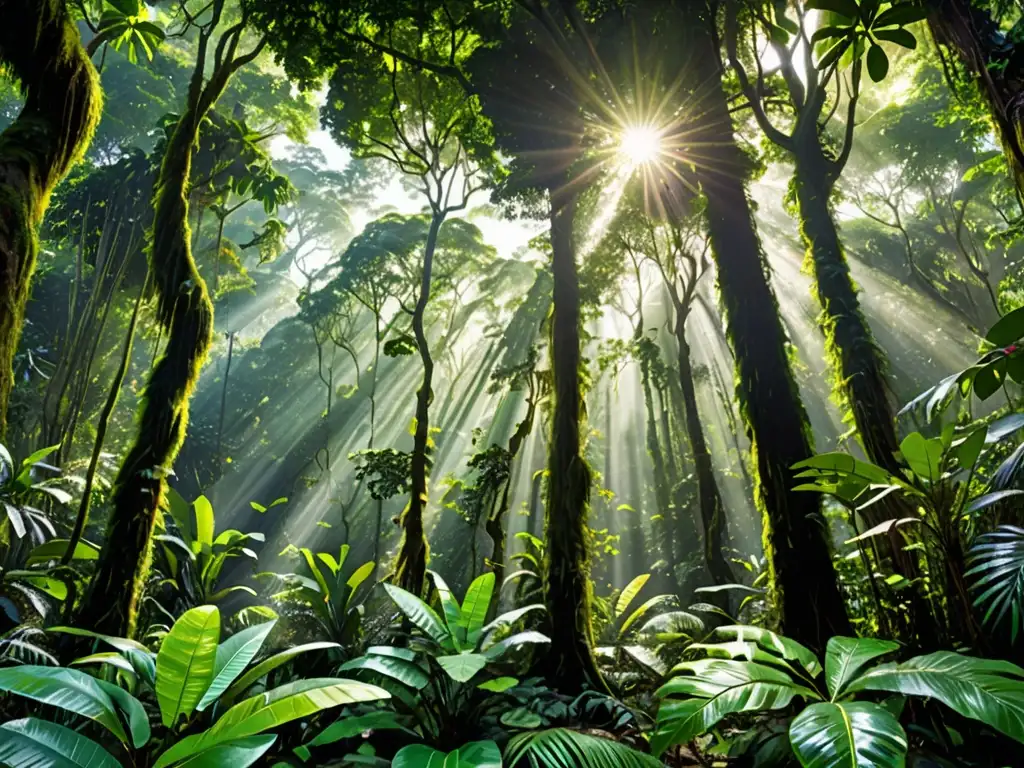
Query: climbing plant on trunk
[[41, 48], [185, 313]]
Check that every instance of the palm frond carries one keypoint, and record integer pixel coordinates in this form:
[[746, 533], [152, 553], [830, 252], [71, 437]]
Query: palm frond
[[20, 646], [565, 748], [996, 562]]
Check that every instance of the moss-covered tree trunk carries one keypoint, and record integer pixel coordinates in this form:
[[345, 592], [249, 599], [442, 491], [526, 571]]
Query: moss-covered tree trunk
[[804, 586], [185, 313], [712, 510], [40, 46], [411, 565], [567, 589], [856, 361], [993, 61]]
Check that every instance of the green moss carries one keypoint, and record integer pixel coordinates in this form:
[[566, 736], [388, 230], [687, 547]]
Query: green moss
[[62, 108]]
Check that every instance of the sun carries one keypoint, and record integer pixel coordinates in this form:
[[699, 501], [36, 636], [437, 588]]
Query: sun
[[640, 145]]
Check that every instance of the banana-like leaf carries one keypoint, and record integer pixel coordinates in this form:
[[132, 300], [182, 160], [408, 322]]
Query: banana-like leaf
[[240, 753], [353, 726], [640, 612], [423, 616], [477, 754], [848, 735], [270, 710], [788, 649], [846, 656], [32, 743], [452, 609], [120, 643], [714, 688], [186, 661], [204, 525], [268, 665], [462, 666], [989, 691], [496, 651], [629, 593], [406, 672], [233, 656], [474, 609], [564, 748], [359, 575], [66, 689], [138, 720], [112, 658], [511, 617]]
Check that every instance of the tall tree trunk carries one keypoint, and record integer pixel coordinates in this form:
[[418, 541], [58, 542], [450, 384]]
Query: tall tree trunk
[[567, 588], [411, 565], [184, 310], [712, 510], [101, 431], [974, 38], [856, 361], [804, 587], [40, 46]]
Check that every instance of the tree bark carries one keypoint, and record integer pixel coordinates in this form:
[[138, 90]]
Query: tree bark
[[567, 589], [974, 38], [185, 312], [40, 45], [411, 565], [712, 510], [804, 586]]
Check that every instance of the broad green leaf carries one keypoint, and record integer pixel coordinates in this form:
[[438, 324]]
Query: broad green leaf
[[714, 688], [474, 608], [112, 658], [268, 665], [923, 456], [498, 650], [272, 709], [186, 661], [899, 36], [54, 549], [511, 617], [138, 720], [403, 671], [478, 754], [901, 14], [66, 689], [240, 753], [968, 451], [629, 593], [1008, 329], [462, 666], [848, 735], [315, 571], [359, 575], [181, 512], [204, 524], [989, 691], [640, 612], [353, 726], [788, 649], [233, 656], [499, 684], [422, 615], [32, 743], [451, 607], [845, 657]]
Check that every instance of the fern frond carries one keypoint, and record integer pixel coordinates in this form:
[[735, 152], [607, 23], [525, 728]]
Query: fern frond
[[565, 748]]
